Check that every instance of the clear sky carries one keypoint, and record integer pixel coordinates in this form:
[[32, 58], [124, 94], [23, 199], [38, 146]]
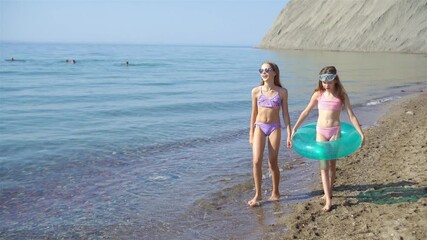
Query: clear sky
[[201, 22]]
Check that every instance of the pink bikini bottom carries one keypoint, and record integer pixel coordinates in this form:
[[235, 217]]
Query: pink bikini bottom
[[329, 132]]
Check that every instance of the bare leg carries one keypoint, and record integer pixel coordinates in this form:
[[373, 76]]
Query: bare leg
[[258, 150], [326, 180], [273, 153], [332, 176], [333, 171], [333, 164], [326, 183]]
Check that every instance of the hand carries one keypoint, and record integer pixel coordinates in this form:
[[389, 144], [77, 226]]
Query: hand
[[289, 143]]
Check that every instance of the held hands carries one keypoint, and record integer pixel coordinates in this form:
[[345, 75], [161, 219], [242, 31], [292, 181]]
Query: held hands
[[289, 143], [290, 136]]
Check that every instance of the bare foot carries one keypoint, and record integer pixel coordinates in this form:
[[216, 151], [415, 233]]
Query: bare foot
[[274, 198], [255, 202], [327, 207]]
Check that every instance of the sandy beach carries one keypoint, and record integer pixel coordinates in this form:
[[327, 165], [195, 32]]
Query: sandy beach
[[380, 191]]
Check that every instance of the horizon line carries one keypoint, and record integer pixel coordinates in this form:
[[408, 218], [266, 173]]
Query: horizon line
[[118, 43]]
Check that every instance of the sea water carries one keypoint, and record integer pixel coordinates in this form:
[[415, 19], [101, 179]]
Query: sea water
[[151, 142]]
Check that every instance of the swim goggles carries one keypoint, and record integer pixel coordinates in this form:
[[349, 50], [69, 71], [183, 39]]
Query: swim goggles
[[267, 70], [327, 77]]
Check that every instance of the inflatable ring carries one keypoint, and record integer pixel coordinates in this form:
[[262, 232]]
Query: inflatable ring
[[304, 143]]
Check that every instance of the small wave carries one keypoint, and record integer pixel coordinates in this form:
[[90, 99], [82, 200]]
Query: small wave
[[400, 86], [158, 178], [9, 72], [173, 146], [381, 100]]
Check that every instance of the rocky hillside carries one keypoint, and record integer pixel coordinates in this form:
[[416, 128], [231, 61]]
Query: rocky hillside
[[351, 25]]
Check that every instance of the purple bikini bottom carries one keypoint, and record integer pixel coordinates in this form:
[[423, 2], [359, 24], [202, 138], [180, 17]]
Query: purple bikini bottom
[[268, 128]]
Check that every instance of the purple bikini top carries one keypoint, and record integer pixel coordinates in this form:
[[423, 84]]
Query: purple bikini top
[[274, 102]]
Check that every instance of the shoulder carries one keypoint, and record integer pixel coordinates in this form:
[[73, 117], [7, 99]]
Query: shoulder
[[282, 91], [255, 90], [317, 94]]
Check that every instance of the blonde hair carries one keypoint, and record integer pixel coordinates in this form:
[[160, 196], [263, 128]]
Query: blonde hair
[[339, 89], [277, 71]]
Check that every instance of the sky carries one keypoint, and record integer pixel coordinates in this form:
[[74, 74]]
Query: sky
[[188, 22]]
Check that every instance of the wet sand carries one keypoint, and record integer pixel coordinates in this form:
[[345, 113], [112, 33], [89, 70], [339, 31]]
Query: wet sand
[[380, 191]]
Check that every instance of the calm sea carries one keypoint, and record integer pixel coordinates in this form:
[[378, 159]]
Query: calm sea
[[158, 148]]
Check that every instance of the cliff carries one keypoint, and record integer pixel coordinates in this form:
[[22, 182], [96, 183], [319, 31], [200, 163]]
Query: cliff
[[350, 25]]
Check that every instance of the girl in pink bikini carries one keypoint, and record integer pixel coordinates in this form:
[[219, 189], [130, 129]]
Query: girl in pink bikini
[[330, 98], [268, 100]]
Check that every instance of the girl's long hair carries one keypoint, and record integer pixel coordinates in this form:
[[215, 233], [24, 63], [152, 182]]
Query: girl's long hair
[[339, 89], [277, 71]]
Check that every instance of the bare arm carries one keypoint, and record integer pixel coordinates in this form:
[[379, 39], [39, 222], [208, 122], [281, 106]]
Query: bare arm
[[254, 114], [285, 115], [306, 112], [353, 118]]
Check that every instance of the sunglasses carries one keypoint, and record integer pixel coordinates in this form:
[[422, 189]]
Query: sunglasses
[[267, 70], [327, 77]]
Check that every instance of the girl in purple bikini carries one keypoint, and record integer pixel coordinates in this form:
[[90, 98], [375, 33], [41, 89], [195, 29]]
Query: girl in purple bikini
[[330, 98], [267, 101]]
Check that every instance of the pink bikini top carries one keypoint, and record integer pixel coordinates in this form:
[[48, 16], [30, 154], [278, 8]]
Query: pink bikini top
[[274, 102], [324, 103]]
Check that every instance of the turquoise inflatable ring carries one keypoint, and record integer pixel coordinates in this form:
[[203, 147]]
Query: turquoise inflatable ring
[[304, 143]]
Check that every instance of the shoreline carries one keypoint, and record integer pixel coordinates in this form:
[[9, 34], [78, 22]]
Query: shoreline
[[335, 50], [374, 197]]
